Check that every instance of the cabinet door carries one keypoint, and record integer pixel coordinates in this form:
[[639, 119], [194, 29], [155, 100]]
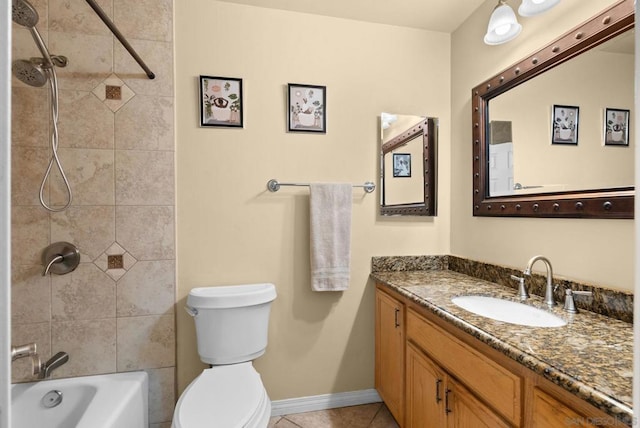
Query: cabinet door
[[426, 385], [390, 353], [465, 411], [550, 413]]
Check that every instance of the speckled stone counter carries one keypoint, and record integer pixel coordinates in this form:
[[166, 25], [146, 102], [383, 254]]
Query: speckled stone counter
[[591, 357]]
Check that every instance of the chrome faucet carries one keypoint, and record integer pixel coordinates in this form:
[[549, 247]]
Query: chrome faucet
[[30, 350], [548, 293], [53, 363]]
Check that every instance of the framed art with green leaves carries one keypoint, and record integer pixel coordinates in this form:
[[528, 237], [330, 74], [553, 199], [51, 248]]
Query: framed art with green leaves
[[221, 101]]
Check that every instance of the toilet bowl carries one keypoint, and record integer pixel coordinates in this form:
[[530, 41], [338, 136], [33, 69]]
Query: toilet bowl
[[231, 330]]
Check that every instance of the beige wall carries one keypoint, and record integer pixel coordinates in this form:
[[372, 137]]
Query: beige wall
[[598, 251], [231, 230], [119, 158]]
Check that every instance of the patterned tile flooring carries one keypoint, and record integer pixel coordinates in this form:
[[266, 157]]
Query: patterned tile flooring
[[374, 415]]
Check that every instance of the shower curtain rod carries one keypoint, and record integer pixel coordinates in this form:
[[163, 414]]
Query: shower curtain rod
[[98, 10]]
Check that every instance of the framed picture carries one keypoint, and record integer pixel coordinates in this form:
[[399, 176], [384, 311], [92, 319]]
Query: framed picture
[[564, 121], [221, 101], [402, 164], [307, 108], [616, 127]]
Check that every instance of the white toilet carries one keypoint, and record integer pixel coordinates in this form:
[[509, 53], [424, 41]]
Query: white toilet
[[231, 328]]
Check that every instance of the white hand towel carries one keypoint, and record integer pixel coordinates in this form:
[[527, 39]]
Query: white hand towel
[[330, 213]]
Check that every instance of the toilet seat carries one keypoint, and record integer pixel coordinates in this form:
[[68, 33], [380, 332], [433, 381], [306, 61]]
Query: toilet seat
[[230, 396]]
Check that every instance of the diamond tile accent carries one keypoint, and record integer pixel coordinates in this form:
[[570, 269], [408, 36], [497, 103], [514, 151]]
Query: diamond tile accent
[[113, 92], [115, 261]]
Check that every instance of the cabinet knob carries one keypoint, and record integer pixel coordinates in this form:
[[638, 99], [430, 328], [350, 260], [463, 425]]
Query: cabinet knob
[[397, 322]]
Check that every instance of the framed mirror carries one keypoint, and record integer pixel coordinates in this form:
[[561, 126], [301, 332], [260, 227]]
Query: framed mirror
[[408, 165], [543, 137]]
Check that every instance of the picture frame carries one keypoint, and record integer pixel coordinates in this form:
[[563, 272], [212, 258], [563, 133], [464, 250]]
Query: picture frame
[[616, 127], [564, 124], [306, 108], [221, 102], [402, 164]]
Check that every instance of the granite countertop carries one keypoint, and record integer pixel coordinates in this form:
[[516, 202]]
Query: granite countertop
[[591, 357]]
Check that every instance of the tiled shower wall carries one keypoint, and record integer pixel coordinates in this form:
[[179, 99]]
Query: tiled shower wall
[[115, 312]]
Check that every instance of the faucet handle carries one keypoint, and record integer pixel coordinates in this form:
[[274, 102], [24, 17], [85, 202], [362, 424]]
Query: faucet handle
[[569, 302], [523, 294]]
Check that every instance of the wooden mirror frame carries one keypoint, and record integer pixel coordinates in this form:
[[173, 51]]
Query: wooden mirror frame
[[426, 128], [598, 203]]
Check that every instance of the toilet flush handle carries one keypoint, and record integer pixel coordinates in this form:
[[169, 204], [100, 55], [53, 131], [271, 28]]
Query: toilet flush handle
[[191, 311]]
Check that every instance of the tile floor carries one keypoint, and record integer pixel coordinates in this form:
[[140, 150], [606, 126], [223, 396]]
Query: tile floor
[[374, 415]]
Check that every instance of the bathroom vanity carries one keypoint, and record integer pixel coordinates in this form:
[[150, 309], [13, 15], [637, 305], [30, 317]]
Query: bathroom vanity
[[439, 365]]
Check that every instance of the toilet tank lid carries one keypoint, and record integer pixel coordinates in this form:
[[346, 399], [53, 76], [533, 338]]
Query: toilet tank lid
[[231, 296]]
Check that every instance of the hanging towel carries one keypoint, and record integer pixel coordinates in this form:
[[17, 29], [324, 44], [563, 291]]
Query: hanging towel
[[330, 214]]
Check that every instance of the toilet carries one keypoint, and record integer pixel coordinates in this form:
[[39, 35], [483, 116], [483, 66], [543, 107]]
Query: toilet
[[231, 329]]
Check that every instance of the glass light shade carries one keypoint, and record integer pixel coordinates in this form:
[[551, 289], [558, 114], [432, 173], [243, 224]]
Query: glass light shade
[[536, 7], [503, 26]]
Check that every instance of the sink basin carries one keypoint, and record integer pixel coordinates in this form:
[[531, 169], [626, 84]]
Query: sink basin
[[508, 311]]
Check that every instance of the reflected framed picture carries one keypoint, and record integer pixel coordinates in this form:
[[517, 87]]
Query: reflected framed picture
[[564, 124], [307, 108], [221, 102], [616, 127], [402, 164]]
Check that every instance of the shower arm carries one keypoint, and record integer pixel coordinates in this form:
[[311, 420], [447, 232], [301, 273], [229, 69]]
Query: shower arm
[[98, 10]]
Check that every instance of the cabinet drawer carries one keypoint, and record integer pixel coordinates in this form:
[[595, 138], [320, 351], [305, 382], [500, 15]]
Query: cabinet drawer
[[494, 384]]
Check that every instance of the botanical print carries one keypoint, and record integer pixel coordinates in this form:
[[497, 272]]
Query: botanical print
[[221, 101], [565, 125], [616, 127], [307, 108], [402, 164]]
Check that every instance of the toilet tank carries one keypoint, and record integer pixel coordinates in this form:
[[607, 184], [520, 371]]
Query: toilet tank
[[232, 321]]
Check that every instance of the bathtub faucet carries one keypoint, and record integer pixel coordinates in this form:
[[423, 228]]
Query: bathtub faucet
[[53, 363], [30, 350]]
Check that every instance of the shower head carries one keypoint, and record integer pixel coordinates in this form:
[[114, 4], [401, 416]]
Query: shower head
[[24, 13], [30, 72]]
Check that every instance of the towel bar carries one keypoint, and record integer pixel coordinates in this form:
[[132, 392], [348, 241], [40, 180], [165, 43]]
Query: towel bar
[[273, 185]]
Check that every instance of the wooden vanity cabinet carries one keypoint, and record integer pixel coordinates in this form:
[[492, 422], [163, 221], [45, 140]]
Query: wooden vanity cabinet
[[435, 399], [390, 345], [430, 373]]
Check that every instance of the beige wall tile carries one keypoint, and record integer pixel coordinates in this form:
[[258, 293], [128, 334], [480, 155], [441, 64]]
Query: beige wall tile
[[29, 234], [90, 173], [91, 229], [85, 122], [158, 56], [29, 116], [28, 165], [145, 123], [90, 59], [76, 16], [146, 232], [162, 397], [147, 289], [145, 19], [144, 177], [21, 334], [30, 295], [146, 342], [85, 293], [91, 345]]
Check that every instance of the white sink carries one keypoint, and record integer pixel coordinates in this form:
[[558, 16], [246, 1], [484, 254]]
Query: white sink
[[508, 311]]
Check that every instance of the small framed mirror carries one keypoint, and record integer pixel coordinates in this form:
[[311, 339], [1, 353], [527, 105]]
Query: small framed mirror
[[408, 165]]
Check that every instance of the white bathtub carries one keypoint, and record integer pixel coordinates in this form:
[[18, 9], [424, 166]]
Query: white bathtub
[[102, 401]]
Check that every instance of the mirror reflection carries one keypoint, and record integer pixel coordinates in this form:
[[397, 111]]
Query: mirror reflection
[[568, 128], [407, 164]]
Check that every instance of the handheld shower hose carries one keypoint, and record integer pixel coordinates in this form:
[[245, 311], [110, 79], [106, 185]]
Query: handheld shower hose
[[36, 72]]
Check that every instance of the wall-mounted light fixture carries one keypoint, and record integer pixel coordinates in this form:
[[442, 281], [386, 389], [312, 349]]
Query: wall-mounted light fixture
[[503, 24]]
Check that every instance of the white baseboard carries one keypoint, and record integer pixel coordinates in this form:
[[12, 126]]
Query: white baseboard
[[324, 402]]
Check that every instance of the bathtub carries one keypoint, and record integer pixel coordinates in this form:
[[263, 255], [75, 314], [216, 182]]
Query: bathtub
[[103, 401]]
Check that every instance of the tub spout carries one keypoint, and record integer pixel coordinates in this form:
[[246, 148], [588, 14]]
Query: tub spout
[[53, 363], [30, 350]]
